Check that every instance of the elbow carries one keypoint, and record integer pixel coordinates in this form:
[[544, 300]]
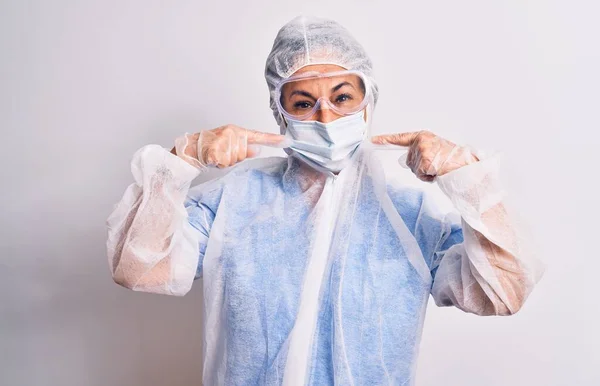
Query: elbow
[[125, 279], [508, 310], [489, 307], [132, 272], [513, 299], [157, 280], [515, 286], [160, 289], [506, 302], [153, 273], [124, 283]]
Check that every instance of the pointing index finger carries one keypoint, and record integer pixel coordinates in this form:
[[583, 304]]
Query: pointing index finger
[[266, 139], [399, 139]]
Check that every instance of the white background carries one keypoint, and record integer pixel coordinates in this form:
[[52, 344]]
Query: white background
[[86, 83]]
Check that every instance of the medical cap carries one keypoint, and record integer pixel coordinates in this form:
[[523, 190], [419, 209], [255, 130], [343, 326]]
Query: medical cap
[[311, 40]]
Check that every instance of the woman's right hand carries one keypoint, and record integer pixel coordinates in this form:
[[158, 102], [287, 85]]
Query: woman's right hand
[[224, 146]]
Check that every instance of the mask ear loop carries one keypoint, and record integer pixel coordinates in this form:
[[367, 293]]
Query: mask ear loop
[[282, 120]]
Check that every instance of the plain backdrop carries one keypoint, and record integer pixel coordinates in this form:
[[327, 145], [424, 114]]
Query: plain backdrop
[[86, 83]]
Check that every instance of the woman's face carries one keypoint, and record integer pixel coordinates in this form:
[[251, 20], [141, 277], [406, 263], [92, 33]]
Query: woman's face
[[299, 97]]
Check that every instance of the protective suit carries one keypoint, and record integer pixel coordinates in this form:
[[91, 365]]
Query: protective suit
[[312, 277]]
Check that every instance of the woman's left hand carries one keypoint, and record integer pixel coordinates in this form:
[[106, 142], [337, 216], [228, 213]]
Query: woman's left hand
[[429, 155]]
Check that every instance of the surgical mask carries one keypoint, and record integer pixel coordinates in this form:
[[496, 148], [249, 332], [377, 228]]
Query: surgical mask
[[328, 145]]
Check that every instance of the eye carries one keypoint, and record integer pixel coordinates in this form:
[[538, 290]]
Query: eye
[[302, 105], [343, 98]]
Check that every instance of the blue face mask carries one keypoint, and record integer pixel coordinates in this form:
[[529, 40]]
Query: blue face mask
[[328, 145]]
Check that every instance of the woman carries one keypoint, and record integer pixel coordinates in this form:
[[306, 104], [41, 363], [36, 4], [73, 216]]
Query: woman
[[316, 269]]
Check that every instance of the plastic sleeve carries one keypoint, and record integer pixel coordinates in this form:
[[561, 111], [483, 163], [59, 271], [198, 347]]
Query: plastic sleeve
[[151, 245], [493, 270]]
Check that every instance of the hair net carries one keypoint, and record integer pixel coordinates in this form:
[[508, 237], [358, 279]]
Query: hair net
[[310, 40]]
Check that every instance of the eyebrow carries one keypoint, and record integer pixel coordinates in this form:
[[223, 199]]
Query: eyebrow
[[309, 95], [339, 86], [303, 93]]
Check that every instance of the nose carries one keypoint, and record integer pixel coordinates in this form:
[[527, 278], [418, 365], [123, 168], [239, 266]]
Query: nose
[[324, 114]]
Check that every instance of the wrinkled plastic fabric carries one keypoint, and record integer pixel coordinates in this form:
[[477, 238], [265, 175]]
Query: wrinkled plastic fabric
[[311, 278], [151, 243], [311, 40]]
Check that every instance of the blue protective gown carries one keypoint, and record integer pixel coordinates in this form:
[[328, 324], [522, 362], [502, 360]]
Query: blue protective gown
[[312, 278], [372, 301]]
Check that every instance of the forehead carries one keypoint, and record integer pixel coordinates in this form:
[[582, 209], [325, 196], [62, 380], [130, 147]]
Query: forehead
[[317, 76]]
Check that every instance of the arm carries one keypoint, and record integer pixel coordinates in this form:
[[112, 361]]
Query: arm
[[151, 245], [487, 271], [490, 272], [155, 239]]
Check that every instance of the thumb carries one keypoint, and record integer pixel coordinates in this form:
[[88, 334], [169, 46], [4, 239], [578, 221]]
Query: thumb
[[399, 139]]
